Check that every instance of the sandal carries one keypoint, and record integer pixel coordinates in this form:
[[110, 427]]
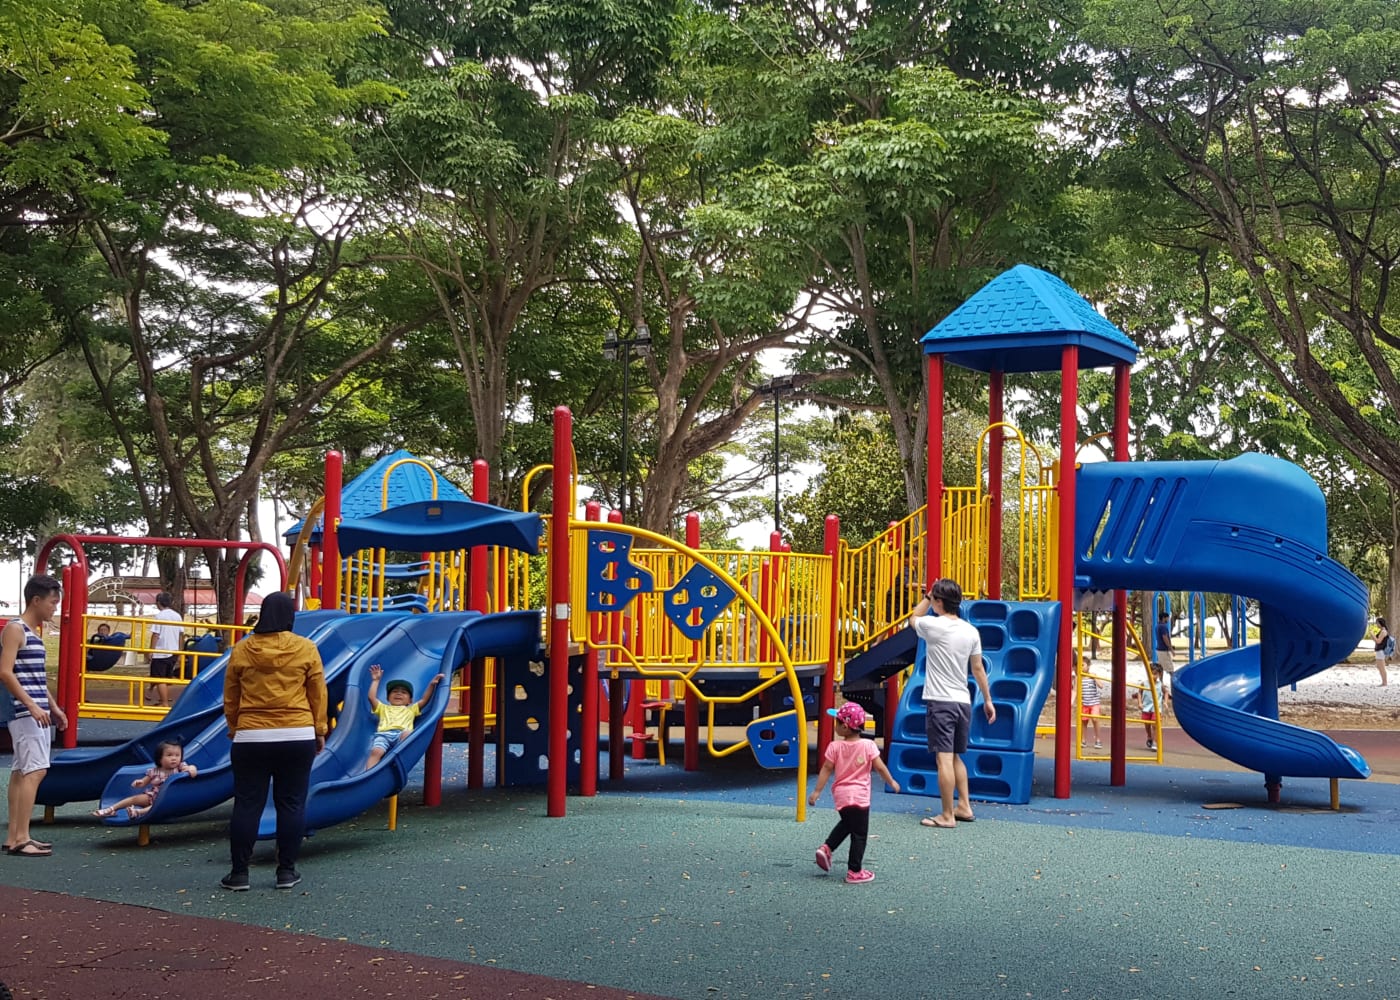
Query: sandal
[[30, 849], [106, 812], [133, 812]]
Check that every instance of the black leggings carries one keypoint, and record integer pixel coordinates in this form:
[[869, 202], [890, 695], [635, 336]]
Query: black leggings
[[855, 822], [287, 768]]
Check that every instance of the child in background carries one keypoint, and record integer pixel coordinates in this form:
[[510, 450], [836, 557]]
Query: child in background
[[170, 761], [1147, 706], [396, 717], [1089, 700], [850, 757]]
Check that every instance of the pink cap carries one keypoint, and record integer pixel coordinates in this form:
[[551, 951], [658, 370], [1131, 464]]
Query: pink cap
[[850, 713]]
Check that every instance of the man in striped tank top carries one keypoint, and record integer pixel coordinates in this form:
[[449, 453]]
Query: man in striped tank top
[[26, 684]]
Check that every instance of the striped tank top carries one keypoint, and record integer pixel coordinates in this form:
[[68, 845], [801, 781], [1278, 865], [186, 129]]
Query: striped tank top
[[29, 669]]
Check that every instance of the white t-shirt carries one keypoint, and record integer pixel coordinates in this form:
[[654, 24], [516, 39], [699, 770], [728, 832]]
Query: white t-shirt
[[165, 638], [949, 644]]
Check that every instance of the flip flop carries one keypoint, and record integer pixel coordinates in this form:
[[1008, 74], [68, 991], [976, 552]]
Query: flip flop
[[29, 849], [965, 819], [6, 849], [931, 821]]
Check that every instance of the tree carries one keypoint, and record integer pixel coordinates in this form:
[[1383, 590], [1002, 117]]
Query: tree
[[906, 184], [1258, 141], [221, 258]]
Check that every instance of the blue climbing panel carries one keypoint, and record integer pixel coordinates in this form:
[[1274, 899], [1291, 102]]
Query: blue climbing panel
[[1018, 651], [613, 579], [696, 600], [775, 740]]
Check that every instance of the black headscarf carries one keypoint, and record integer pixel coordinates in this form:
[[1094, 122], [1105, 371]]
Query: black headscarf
[[278, 613]]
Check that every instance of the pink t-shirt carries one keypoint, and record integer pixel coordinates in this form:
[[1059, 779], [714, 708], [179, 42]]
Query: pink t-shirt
[[851, 761]]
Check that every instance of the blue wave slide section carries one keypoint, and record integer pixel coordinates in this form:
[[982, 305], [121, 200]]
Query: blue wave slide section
[[415, 650], [1252, 525], [80, 774], [338, 636]]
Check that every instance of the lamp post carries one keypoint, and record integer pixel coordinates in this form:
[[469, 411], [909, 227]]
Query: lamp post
[[774, 387], [640, 345]]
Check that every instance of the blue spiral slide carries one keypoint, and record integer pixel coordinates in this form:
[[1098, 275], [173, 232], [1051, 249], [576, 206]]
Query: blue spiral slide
[[1252, 525]]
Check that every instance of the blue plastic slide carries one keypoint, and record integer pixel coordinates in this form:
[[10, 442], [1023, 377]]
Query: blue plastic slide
[[80, 774], [1255, 526], [415, 650], [338, 636]]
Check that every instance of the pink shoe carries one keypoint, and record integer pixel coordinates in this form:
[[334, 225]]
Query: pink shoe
[[824, 858], [860, 877]]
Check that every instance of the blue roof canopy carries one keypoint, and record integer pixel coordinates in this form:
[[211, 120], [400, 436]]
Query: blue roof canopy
[[441, 526], [364, 495], [1020, 320]]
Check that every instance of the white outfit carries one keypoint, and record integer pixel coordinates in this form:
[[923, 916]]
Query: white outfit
[[165, 637], [949, 644]]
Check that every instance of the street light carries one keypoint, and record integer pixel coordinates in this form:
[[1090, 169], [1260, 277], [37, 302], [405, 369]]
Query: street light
[[774, 387], [640, 344]]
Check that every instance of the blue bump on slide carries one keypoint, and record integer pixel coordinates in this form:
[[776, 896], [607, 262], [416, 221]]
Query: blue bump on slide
[[1252, 525], [80, 774]]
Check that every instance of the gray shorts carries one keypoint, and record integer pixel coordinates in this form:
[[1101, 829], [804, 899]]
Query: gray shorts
[[947, 723], [31, 742]]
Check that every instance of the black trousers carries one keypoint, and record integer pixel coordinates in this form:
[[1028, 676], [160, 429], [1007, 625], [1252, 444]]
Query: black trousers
[[855, 823], [287, 768]]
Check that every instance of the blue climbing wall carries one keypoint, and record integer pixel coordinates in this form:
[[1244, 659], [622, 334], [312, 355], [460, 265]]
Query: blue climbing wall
[[1018, 650]]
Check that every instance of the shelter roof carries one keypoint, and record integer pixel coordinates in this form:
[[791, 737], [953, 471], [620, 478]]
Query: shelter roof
[[368, 493], [1020, 320]]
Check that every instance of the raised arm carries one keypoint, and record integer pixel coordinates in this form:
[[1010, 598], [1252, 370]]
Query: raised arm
[[428, 694], [375, 673]]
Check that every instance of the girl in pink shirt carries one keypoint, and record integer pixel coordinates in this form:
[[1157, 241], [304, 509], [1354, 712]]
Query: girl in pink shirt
[[851, 758]]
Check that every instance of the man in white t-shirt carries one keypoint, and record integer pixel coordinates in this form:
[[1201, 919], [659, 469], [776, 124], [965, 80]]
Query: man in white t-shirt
[[167, 634], [951, 646]]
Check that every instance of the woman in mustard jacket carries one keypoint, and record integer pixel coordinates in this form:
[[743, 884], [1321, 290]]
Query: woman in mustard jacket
[[275, 707]]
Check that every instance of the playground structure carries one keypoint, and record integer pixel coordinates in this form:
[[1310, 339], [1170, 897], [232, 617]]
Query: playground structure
[[771, 634]]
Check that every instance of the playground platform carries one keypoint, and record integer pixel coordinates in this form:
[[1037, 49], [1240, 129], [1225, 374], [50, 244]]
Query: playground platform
[[701, 885]]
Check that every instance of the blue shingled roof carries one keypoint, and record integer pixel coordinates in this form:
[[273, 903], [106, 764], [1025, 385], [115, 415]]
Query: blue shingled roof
[[363, 496], [1018, 322]]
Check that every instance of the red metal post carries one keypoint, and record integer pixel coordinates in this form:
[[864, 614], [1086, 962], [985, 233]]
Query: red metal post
[[933, 518], [1064, 672], [836, 633], [476, 678], [995, 460], [330, 532], [692, 703], [617, 693], [70, 647], [560, 589], [588, 738], [1118, 682]]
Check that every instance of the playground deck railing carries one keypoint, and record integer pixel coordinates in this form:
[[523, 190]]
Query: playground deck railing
[[117, 692]]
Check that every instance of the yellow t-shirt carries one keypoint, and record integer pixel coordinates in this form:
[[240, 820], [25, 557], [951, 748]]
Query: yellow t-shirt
[[392, 717]]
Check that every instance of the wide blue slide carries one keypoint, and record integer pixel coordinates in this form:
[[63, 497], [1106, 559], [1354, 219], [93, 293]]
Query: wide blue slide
[[416, 650], [80, 774], [1252, 525], [338, 636]]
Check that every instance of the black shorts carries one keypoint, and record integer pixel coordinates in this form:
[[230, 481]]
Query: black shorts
[[164, 666], [947, 724]]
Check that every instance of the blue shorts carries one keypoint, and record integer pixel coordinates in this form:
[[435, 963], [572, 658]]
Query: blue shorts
[[385, 739], [946, 724]]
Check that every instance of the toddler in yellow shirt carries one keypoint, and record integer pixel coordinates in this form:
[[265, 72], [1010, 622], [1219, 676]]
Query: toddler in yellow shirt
[[396, 715]]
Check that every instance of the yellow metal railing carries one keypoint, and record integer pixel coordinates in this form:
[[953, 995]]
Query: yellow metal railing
[[882, 580], [120, 691], [641, 638]]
